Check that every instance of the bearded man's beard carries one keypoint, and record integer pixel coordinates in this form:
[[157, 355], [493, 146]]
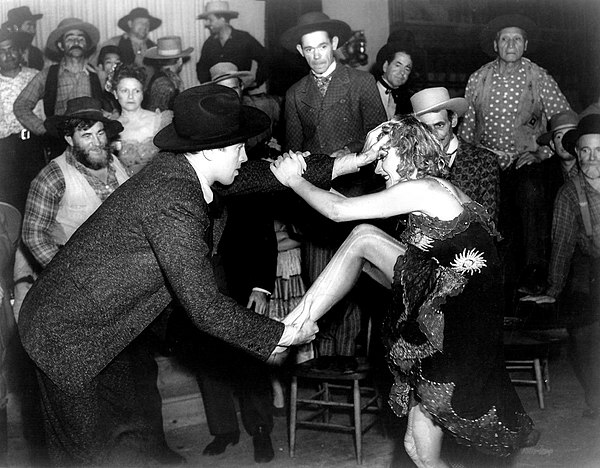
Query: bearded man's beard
[[83, 157]]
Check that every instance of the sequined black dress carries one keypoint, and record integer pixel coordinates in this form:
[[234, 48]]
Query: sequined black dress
[[444, 334]]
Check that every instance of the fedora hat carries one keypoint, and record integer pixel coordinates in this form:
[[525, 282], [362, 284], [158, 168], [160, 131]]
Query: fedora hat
[[489, 31], [225, 70], [17, 16], [138, 13], [69, 24], [168, 47], [218, 8], [588, 124], [84, 107], [311, 22], [210, 116], [436, 99], [560, 121]]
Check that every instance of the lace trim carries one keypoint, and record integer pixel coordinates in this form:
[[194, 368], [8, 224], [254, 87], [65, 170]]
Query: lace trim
[[486, 432]]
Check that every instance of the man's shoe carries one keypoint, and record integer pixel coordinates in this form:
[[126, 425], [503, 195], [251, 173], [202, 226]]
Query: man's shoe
[[220, 443], [263, 448]]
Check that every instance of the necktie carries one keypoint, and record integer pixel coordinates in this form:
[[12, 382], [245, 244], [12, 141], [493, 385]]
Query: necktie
[[322, 83]]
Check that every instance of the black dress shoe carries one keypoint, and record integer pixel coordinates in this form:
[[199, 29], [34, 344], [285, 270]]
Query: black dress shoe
[[220, 443], [263, 448]]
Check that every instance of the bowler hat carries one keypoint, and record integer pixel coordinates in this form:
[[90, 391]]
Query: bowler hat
[[138, 13], [311, 22], [225, 70], [560, 121], [84, 107], [210, 116], [69, 24], [219, 9], [588, 124], [168, 47], [436, 99], [488, 33], [19, 15]]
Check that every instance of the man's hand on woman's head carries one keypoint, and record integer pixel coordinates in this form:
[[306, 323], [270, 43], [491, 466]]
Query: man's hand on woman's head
[[289, 167]]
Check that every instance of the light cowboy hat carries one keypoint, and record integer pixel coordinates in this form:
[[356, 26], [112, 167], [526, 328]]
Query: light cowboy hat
[[489, 31], [138, 13], [69, 24], [561, 121], [218, 8], [210, 116], [436, 99], [168, 47], [225, 70], [311, 22], [84, 107]]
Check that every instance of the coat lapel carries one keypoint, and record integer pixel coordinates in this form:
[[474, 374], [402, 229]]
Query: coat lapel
[[338, 88], [309, 94]]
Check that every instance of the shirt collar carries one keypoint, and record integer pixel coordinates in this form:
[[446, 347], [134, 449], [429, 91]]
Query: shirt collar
[[204, 185], [452, 150], [328, 72]]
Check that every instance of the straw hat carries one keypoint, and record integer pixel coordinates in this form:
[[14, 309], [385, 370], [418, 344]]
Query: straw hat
[[168, 47], [218, 8], [225, 70], [436, 99]]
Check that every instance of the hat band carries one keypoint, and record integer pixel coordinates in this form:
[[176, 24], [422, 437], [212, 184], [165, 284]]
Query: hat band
[[169, 52], [84, 111]]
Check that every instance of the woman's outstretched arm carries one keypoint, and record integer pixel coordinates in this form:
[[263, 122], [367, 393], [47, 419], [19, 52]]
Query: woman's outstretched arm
[[367, 249]]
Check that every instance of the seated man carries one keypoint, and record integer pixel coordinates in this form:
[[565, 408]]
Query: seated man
[[150, 243]]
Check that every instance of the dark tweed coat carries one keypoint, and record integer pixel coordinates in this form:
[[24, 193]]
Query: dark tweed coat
[[350, 109], [147, 243]]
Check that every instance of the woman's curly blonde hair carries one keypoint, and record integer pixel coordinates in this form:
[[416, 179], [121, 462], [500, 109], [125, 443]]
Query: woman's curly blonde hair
[[417, 148]]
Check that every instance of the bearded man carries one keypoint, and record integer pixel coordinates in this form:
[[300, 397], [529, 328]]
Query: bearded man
[[72, 186]]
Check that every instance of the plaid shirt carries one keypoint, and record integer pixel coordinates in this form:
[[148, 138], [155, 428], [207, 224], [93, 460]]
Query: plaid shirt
[[43, 202], [568, 233], [70, 85]]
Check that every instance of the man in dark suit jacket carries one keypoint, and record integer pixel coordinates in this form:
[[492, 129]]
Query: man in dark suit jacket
[[149, 243], [330, 111]]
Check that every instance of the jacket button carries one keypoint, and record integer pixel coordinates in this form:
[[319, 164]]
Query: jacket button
[[342, 101]]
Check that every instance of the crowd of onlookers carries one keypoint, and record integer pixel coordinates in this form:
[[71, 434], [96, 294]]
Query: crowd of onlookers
[[71, 133]]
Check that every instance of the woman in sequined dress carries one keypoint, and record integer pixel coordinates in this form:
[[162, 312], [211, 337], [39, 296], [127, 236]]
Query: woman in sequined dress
[[136, 147], [444, 329]]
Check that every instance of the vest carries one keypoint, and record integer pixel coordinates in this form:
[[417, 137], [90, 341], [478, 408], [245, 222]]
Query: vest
[[51, 89], [127, 55], [530, 119], [79, 200]]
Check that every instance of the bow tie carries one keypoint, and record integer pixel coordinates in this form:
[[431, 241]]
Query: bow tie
[[388, 89]]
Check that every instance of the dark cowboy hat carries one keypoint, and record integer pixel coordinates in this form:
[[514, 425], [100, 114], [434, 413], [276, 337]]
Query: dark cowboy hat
[[139, 13], [210, 116], [20, 38], [489, 31], [19, 15], [588, 124], [84, 107], [561, 121], [311, 22], [69, 24]]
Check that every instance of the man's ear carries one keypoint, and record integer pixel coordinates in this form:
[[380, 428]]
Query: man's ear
[[69, 140], [299, 49], [551, 145], [525, 46], [385, 66], [454, 121], [59, 46], [495, 46], [129, 24], [334, 42]]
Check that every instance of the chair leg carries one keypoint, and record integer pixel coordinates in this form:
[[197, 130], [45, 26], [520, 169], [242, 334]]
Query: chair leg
[[546, 374], [326, 397], [293, 413], [539, 383], [357, 422]]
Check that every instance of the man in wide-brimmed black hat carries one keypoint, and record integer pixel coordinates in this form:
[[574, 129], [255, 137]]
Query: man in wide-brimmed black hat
[[134, 42], [574, 275], [511, 100], [151, 242], [21, 19]]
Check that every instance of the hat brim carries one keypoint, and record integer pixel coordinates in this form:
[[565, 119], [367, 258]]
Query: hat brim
[[253, 122], [230, 13], [457, 105], [20, 38], [488, 33], [569, 140], [246, 77], [152, 54], [290, 38], [88, 28], [545, 138], [112, 127], [154, 22]]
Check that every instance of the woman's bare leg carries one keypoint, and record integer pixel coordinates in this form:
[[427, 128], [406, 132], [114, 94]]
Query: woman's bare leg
[[423, 439], [367, 249]]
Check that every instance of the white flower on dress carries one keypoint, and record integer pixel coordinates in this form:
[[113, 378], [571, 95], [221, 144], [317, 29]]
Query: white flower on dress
[[422, 241], [468, 261]]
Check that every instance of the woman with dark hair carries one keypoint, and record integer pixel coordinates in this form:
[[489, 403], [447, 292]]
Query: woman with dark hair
[[139, 125], [443, 331]]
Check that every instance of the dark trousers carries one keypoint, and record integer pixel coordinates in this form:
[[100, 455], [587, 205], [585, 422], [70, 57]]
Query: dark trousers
[[584, 353], [115, 420]]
